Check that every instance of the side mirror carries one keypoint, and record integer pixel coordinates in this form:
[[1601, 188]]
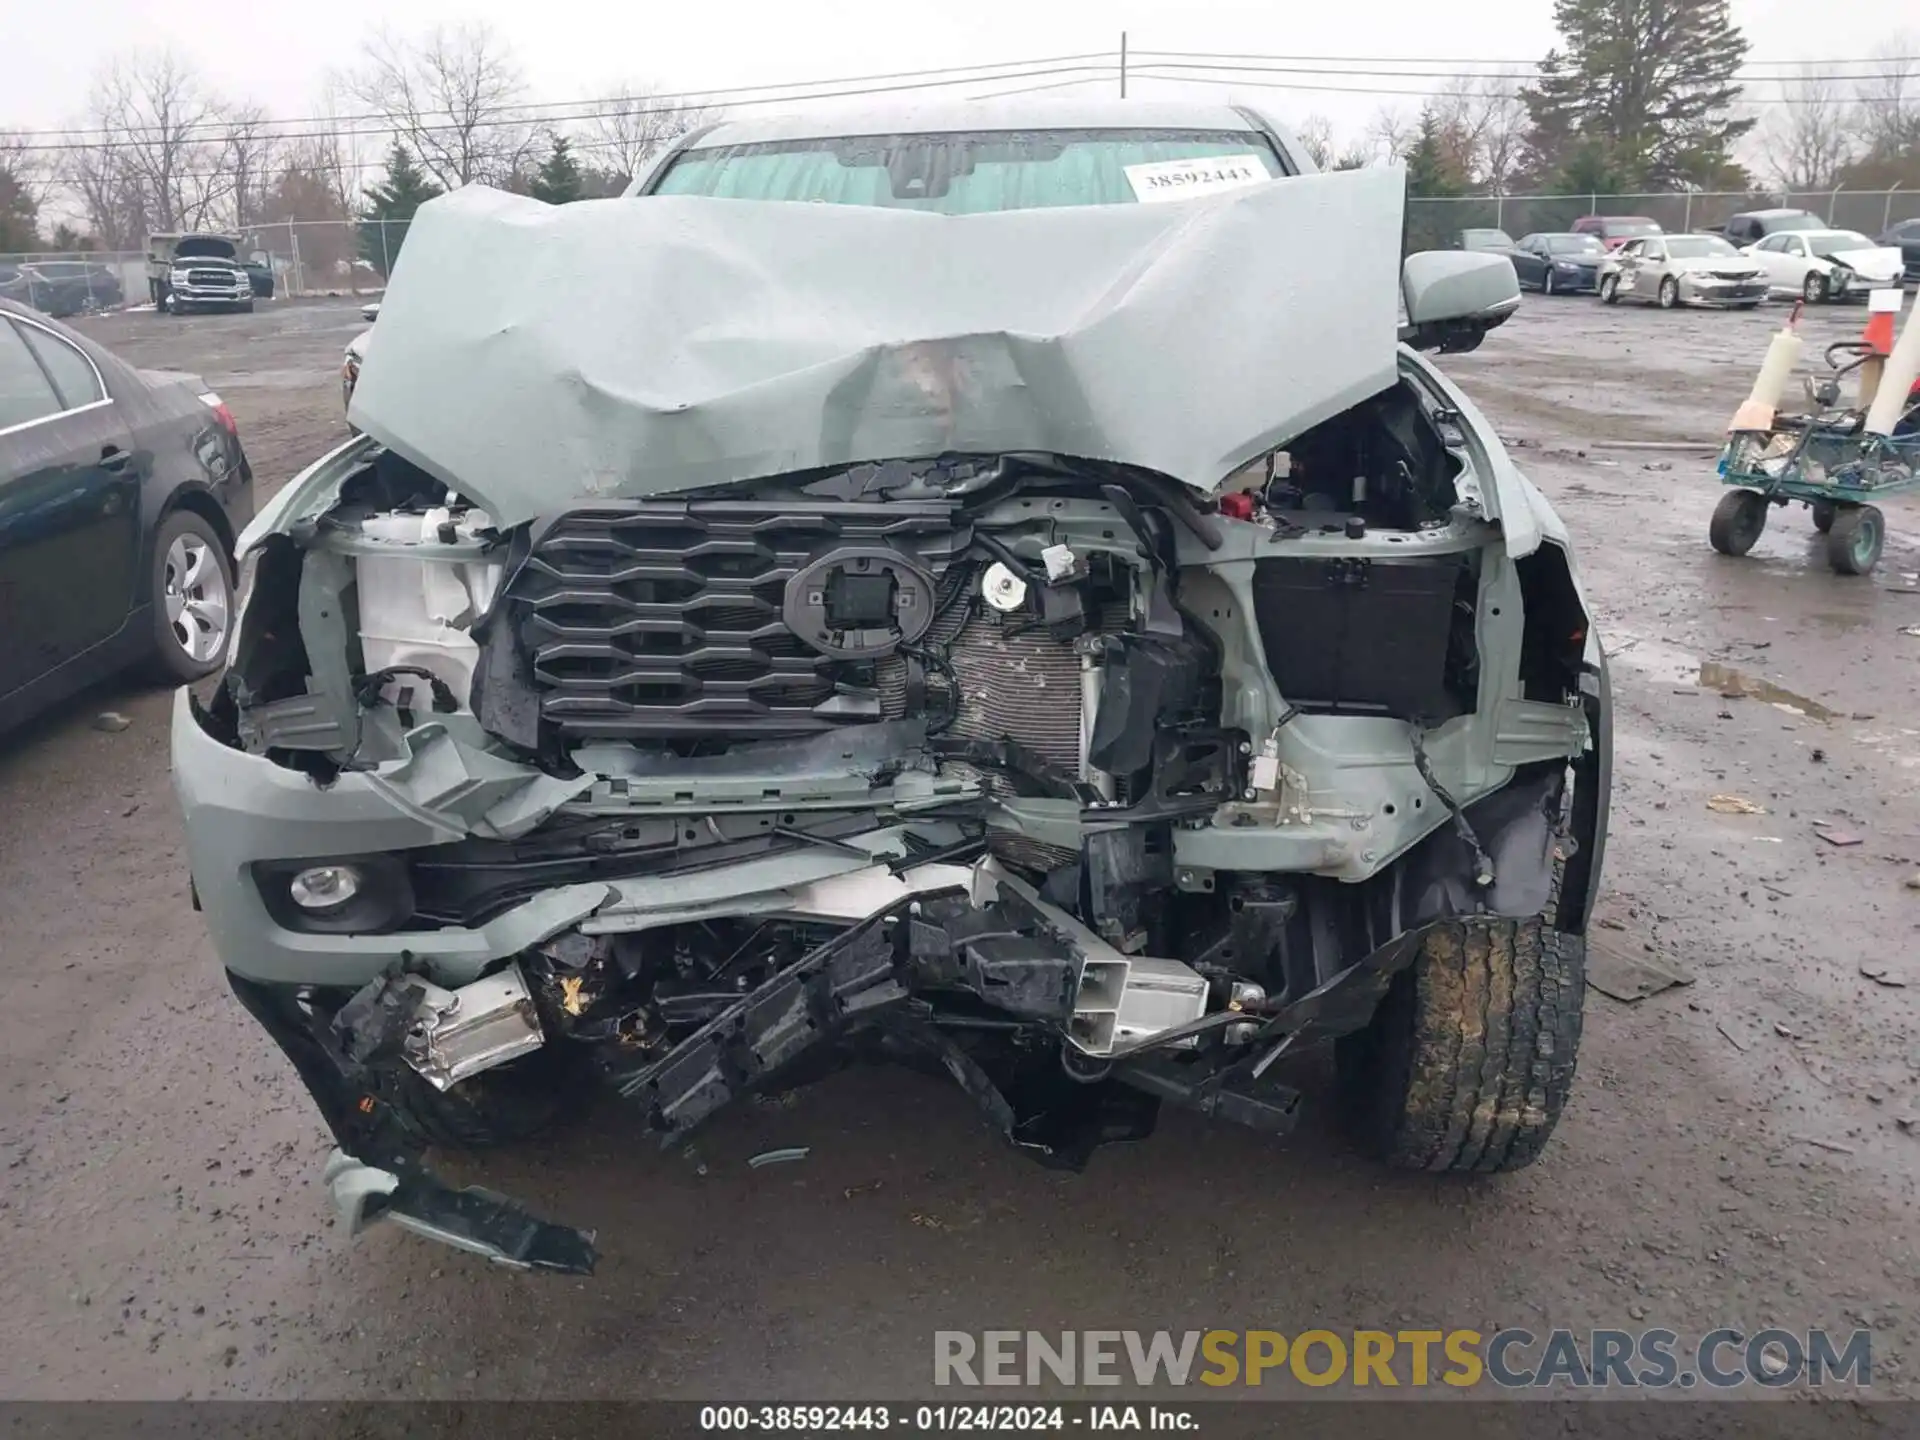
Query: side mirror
[[1453, 298]]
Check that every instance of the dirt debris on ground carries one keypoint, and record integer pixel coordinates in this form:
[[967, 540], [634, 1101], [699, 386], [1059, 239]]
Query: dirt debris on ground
[[166, 1235]]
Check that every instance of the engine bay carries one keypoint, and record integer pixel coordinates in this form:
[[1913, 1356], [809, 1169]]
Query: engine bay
[[1038, 772]]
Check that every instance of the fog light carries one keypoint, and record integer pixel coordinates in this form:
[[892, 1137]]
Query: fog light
[[324, 887]]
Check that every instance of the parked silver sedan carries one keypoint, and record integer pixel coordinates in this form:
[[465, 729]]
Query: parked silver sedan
[[1670, 270]]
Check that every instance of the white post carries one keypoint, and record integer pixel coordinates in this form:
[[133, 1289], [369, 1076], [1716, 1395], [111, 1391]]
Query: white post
[[293, 236]]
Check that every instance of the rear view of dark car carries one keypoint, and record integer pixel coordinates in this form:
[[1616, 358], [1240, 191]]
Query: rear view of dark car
[[71, 287], [1905, 236], [1558, 264], [1613, 231], [121, 493]]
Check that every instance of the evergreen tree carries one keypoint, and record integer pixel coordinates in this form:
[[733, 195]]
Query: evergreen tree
[[1640, 94], [390, 207], [557, 181], [19, 214], [1431, 167]]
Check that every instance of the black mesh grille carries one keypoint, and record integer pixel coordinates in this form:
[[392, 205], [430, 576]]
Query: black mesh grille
[[665, 619]]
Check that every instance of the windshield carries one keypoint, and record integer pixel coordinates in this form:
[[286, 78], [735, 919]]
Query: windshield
[[1839, 240], [1695, 247], [973, 172], [1631, 225], [1575, 245], [1486, 239], [1776, 223]]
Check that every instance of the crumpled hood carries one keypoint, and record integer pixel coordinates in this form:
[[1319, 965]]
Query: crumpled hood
[[534, 355], [1878, 262]]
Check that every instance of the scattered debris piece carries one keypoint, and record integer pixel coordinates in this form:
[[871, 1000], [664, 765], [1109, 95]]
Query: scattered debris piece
[[1834, 1145], [1907, 1122], [1840, 838], [1819, 756], [1781, 1028], [1881, 973], [865, 1188], [1612, 971], [780, 1157], [1734, 805], [111, 721], [1611, 924], [1910, 629], [1913, 881], [1733, 1039]]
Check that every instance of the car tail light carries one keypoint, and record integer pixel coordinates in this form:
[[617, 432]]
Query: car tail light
[[220, 412]]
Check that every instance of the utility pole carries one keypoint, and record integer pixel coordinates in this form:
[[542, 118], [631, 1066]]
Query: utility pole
[[1123, 64]]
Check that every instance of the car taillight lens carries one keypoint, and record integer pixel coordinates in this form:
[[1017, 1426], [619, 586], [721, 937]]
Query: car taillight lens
[[220, 412]]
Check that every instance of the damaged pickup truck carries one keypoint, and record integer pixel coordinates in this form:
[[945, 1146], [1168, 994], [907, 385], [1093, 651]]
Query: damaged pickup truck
[[992, 621]]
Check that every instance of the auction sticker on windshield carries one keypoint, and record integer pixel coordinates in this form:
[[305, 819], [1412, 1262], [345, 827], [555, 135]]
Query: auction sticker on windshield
[[1181, 179]]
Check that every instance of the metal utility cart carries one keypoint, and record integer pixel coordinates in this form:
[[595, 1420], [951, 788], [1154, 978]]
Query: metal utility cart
[[1825, 459]]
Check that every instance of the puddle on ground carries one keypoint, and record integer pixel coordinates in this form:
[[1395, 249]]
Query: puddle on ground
[[1727, 680], [1675, 666]]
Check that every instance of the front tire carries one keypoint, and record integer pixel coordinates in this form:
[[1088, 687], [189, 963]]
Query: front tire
[[1610, 290], [191, 594], [1737, 522], [1855, 539], [1669, 293], [1546, 284], [1814, 288], [1468, 1062]]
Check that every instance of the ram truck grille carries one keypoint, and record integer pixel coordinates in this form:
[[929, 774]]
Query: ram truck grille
[[668, 619]]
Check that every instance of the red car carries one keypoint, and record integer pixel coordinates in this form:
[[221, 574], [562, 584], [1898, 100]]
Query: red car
[[1615, 230]]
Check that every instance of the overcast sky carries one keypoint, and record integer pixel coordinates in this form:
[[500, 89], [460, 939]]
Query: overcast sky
[[279, 54]]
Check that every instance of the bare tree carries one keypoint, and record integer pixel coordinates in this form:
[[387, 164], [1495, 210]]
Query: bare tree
[[249, 154], [1392, 131], [451, 95], [335, 150], [1316, 138], [1810, 136], [634, 123], [1888, 104], [1483, 123], [157, 123]]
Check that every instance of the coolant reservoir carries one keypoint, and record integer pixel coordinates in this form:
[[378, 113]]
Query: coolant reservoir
[[416, 610]]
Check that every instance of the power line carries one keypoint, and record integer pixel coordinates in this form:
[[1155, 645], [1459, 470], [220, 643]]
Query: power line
[[1445, 60], [555, 111], [1308, 69], [1424, 92], [697, 99]]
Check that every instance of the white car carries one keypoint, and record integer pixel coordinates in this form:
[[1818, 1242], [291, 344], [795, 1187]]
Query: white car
[[1820, 265]]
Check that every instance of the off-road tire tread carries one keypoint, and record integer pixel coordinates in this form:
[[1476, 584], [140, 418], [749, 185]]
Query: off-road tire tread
[[1472, 1054]]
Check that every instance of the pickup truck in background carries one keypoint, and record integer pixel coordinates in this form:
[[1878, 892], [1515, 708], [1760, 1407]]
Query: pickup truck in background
[[198, 270]]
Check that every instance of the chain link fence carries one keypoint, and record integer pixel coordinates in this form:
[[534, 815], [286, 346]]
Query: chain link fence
[[1434, 223]]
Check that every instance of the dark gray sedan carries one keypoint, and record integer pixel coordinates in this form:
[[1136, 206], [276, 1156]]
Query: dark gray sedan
[[1558, 263], [121, 493]]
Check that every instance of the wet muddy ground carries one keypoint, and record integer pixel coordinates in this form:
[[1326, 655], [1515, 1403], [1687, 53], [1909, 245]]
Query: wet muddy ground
[[1740, 1151]]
